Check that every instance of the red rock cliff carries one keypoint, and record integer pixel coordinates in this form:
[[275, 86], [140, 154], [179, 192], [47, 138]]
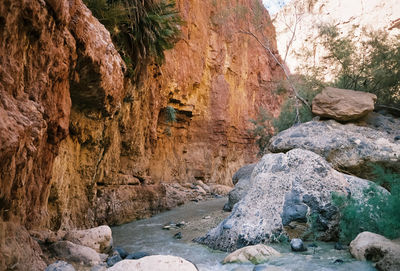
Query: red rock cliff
[[113, 170], [80, 145]]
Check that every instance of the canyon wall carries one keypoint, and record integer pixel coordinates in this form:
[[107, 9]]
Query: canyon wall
[[50, 51], [81, 145], [114, 169], [308, 15]]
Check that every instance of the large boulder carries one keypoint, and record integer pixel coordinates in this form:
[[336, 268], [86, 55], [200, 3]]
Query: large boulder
[[71, 252], [285, 189], [376, 248], [343, 104], [99, 238], [155, 263], [241, 180], [251, 254], [347, 147]]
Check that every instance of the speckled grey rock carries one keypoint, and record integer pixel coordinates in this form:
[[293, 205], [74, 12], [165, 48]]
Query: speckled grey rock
[[241, 179], [284, 188], [347, 147], [75, 253], [243, 173], [60, 266]]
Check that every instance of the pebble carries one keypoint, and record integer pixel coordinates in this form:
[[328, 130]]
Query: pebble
[[113, 260], [178, 235], [169, 226], [122, 252], [338, 261], [137, 255], [297, 245], [339, 246], [227, 207]]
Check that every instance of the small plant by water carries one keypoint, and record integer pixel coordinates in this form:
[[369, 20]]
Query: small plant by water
[[376, 211]]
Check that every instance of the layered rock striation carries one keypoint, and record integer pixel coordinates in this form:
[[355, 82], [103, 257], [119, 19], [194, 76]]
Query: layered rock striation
[[49, 51], [113, 169], [81, 145]]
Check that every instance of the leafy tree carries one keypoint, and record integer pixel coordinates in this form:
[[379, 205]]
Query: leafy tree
[[141, 30], [367, 62], [308, 88]]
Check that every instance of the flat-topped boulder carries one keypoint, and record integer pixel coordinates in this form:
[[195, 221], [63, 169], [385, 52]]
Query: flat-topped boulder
[[343, 104], [155, 263], [71, 252], [99, 238], [346, 146], [252, 254]]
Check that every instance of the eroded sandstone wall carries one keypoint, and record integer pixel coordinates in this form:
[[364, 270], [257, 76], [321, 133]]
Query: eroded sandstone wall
[[81, 145], [50, 51], [113, 169]]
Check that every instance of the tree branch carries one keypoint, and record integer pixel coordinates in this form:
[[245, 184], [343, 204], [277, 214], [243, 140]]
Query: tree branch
[[285, 71]]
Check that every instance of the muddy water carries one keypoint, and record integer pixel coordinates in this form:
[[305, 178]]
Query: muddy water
[[147, 235]]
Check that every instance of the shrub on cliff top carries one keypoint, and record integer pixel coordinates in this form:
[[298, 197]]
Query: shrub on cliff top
[[141, 30], [367, 62]]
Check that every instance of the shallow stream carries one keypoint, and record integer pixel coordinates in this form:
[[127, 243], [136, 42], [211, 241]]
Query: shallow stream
[[147, 235]]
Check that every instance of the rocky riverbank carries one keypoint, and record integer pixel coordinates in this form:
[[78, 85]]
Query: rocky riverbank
[[288, 193]]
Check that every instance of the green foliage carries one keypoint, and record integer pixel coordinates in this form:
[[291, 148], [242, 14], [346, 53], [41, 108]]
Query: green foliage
[[376, 211], [308, 87], [141, 30], [170, 117], [312, 232], [279, 237], [370, 62], [262, 130], [265, 126], [170, 114]]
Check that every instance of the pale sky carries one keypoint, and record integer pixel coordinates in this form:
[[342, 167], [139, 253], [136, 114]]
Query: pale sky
[[274, 6]]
